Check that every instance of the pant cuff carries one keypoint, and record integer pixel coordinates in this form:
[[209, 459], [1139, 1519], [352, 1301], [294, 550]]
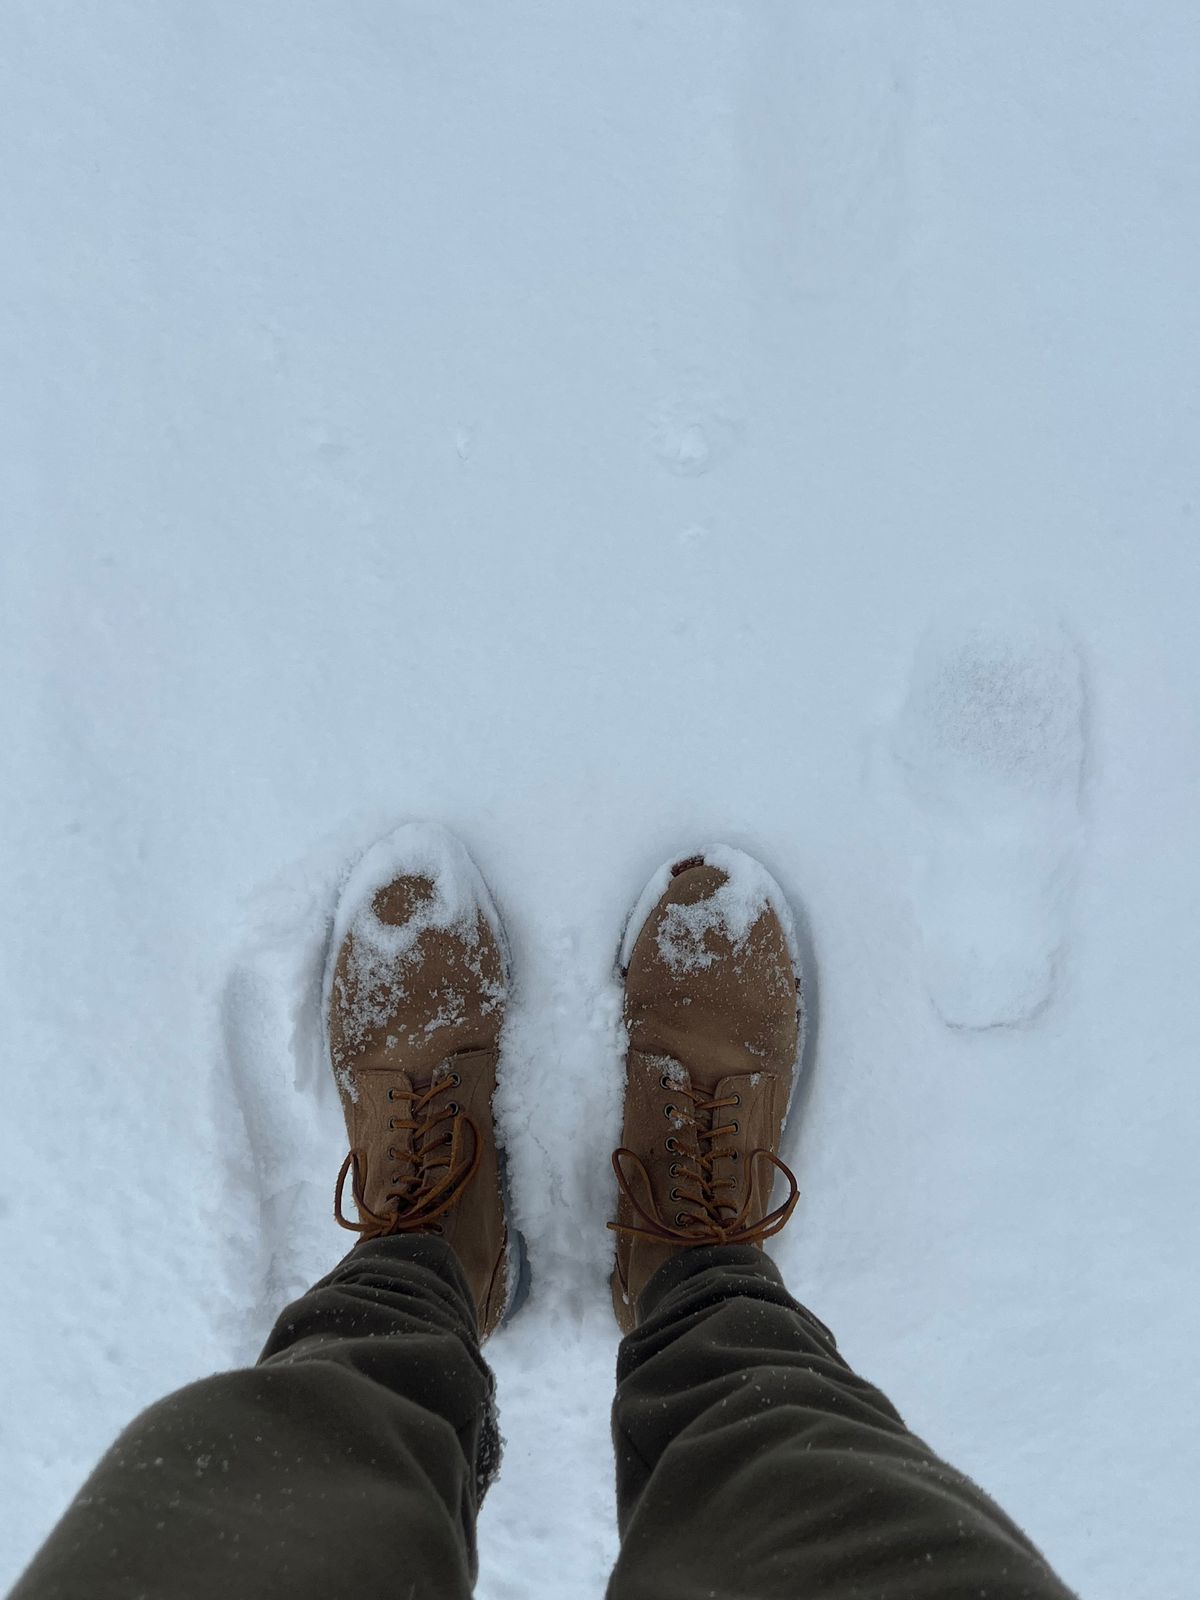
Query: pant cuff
[[742, 1269], [690, 1262]]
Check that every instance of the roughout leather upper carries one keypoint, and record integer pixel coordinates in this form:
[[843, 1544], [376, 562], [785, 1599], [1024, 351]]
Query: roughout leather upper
[[404, 1020], [719, 1014]]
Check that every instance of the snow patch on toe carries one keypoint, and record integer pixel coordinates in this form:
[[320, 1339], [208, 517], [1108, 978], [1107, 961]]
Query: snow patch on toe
[[732, 910], [381, 950], [415, 849]]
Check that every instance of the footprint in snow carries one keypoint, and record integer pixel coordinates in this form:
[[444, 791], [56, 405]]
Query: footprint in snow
[[273, 1034], [989, 747], [692, 431]]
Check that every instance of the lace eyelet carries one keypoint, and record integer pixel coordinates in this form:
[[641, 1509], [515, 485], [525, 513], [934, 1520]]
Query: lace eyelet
[[680, 1218], [737, 1099], [392, 1156], [735, 1155], [668, 1112], [672, 1145], [736, 1127], [664, 1082], [673, 1170], [675, 1195], [391, 1094], [452, 1108], [457, 1081]]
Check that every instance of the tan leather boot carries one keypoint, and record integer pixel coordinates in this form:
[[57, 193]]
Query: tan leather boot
[[415, 1000], [714, 1011]]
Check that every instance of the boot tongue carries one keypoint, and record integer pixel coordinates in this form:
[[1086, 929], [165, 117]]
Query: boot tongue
[[426, 1141], [389, 1107], [686, 1124], [397, 1106], [690, 1128]]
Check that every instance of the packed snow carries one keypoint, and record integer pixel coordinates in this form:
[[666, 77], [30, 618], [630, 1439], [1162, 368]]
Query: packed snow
[[604, 430], [990, 744]]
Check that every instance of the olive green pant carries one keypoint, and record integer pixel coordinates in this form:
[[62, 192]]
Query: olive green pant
[[352, 1459]]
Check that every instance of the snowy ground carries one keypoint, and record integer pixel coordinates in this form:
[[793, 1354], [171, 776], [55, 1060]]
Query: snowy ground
[[567, 422]]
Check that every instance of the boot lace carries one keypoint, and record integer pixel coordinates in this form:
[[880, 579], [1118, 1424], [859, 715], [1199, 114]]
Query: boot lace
[[433, 1173], [708, 1214]]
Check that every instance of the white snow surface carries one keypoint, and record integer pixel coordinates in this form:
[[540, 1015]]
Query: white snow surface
[[567, 423], [990, 746]]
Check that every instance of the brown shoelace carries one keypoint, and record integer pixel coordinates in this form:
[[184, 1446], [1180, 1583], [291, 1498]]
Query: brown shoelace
[[440, 1169], [713, 1218]]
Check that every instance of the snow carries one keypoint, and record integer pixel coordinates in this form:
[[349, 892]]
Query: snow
[[566, 423], [732, 909], [457, 895], [379, 957], [990, 746]]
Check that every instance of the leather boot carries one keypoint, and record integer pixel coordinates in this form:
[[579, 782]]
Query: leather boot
[[415, 1001], [714, 1013]]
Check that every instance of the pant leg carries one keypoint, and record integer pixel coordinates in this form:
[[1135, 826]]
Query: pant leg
[[350, 1461], [753, 1463]]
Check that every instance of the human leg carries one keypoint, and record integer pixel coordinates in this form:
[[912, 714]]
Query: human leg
[[357, 1451], [352, 1459], [753, 1462]]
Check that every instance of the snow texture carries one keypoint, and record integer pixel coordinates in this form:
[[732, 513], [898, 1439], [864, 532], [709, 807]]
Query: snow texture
[[732, 910], [990, 744], [381, 952], [565, 423]]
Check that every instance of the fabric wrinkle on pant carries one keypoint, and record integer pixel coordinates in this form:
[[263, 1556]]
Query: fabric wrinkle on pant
[[751, 1461], [351, 1460]]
